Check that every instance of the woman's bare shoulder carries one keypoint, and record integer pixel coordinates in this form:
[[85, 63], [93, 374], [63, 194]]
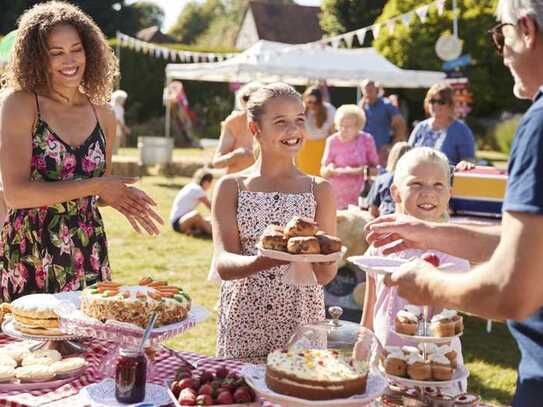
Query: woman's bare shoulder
[[18, 105]]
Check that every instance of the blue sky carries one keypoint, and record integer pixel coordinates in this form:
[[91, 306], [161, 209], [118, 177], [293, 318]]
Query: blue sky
[[172, 8]]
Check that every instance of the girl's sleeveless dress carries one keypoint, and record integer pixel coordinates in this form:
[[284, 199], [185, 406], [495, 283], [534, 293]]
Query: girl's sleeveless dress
[[61, 247], [259, 313]]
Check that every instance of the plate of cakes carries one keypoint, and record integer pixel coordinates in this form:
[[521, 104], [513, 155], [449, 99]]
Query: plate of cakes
[[314, 377], [115, 311], [300, 241], [23, 369], [442, 327], [425, 365], [34, 316]]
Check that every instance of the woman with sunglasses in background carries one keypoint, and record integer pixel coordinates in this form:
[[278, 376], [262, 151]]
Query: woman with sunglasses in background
[[442, 130]]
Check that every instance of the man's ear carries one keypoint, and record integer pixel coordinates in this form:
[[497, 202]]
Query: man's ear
[[395, 192], [529, 31]]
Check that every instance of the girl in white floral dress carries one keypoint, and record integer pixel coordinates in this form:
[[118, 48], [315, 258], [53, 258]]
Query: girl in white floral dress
[[258, 309]]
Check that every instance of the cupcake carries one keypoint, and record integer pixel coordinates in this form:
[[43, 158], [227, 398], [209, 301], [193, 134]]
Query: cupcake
[[443, 325], [469, 400], [441, 400], [409, 350], [395, 364], [448, 352], [388, 350], [406, 323], [430, 348], [418, 368], [441, 368], [458, 324], [414, 309]]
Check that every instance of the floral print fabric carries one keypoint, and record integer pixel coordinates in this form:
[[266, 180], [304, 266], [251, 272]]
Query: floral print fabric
[[61, 247]]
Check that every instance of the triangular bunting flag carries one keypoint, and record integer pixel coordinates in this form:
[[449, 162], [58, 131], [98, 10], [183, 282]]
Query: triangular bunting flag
[[440, 6], [349, 40], [165, 53], [391, 25], [376, 29], [335, 42], [406, 19], [422, 12], [361, 35]]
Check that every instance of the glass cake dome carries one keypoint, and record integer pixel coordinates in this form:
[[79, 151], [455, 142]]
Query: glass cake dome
[[338, 335]]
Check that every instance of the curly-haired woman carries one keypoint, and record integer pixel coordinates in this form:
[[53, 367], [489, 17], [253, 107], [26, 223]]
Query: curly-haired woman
[[56, 138]]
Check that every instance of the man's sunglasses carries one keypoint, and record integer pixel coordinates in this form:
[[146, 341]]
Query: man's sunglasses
[[441, 102], [497, 37]]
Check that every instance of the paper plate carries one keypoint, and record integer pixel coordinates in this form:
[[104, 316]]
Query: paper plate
[[377, 264], [302, 258]]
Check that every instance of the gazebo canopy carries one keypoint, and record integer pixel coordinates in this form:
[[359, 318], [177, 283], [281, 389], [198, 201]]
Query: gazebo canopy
[[272, 61]]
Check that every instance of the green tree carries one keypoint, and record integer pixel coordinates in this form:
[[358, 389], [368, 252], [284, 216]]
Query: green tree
[[413, 47], [149, 14], [195, 19], [339, 16]]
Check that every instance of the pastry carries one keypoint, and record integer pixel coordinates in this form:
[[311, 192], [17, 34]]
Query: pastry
[[467, 400], [412, 398], [414, 309], [34, 373], [298, 226], [315, 374], [7, 373], [443, 325], [395, 364], [303, 245], [408, 350], [448, 352], [36, 311], [441, 367], [135, 303], [15, 350], [441, 400], [8, 361], [328, 244], [406, 323], [68, 366], [388, 350], [273, 238], [418, 368], [430, 348], [41, 357]]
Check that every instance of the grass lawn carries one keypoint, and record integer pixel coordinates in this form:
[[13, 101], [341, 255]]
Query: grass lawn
[[491, 358]]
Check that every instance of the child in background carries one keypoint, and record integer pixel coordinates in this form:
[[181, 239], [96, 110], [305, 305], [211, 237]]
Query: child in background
[[347, 154], [421, 188], [380, 199], [184, 217], [258, 310]]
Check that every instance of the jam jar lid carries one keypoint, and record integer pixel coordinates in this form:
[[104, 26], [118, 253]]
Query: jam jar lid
[[130, 352], [332, 333]]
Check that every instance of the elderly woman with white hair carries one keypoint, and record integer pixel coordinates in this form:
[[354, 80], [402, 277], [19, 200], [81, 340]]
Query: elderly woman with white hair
[[347, 155], [118, 99]]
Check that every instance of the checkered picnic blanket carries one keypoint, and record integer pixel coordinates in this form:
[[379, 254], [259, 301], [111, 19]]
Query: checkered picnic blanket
[[164, 367]]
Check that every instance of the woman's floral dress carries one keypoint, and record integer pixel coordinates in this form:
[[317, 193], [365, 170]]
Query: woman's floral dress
[[61, 247]]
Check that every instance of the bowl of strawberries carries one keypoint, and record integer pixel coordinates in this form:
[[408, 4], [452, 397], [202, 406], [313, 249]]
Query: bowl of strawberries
[[195, 387]]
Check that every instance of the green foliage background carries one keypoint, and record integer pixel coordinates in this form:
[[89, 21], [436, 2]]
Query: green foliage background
[[339, 16], [414, 48]]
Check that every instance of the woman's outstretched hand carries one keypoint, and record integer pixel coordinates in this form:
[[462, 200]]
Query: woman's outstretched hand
[[132, 202]]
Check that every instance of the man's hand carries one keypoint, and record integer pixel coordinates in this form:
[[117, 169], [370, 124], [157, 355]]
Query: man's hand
[[405, 231], [412, 281]]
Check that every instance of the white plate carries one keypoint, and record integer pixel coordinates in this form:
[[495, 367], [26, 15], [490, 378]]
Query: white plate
[[427, 339], [103, 394], [377, 264], [302, 258], [460, 373], [255, 375]]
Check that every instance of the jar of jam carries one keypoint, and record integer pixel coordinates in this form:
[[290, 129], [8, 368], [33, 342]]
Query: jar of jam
[[130, 376]]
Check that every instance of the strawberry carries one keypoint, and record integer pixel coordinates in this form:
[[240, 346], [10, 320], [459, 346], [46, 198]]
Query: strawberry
[[206, 376], [221, 372], [175, 389], [187, 397], [243, 395], [204, 400], [225, 397], [206, 389], [187, 383], [432, 259]]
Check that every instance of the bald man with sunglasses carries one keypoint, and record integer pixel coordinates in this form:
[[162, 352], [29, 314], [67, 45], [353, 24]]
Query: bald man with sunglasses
[[508, 282]]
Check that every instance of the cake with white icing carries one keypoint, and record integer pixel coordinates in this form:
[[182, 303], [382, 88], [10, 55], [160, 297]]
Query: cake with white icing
[[134, 304], [36, 314], [315, 374]]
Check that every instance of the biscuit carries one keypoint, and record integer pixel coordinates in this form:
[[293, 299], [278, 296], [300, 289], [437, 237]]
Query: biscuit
[[8, 361], [303, 245], [41, 357], [15, 350], [298, 226], [68, 365], [6, 373], [34, 373]]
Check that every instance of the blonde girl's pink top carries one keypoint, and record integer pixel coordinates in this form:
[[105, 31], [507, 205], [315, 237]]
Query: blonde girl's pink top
[[388, 302], [360, 151]]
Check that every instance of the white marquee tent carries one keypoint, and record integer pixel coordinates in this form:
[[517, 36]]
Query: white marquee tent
[[298, 65]]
